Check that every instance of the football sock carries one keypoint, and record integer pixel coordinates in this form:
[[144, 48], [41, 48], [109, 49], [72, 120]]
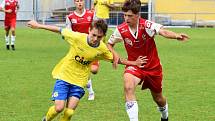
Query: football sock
[[7, 40], [90, 87], [67, 114], [132, 110], [164, 111], [51, 113], [13, 39]]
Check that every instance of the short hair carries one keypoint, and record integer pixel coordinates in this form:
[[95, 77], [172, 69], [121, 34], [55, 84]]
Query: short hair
[[133, 5], [100, 24]]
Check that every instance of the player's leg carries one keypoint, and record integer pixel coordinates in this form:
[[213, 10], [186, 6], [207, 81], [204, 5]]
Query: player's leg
[[59, 95], [94, 70], [91, 95], [155, 86], [130, 83], [13, 34], [161, 102], [75, 94], [7, 30], [70, 109], [54, 110]]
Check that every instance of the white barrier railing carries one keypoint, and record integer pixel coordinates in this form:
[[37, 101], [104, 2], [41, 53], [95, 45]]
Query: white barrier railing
[[116, 18]]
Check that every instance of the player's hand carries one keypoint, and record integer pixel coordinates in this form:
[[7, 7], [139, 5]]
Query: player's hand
[[182, 37], [115, 60], [33, 24], [141, 61], [8, 11]]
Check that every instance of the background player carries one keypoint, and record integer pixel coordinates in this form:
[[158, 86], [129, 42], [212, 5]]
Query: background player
[[72, 72], [102, 9], [138, 37], [80, 21], [10, 7]]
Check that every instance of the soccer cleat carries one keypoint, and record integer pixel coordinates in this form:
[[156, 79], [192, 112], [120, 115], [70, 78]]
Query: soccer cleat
[[8, 47], [13, 47], [44, 118], [91, 96], [164, 119]]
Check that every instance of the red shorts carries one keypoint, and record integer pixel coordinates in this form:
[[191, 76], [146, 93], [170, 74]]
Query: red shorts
[[149, 79], [10, 23]]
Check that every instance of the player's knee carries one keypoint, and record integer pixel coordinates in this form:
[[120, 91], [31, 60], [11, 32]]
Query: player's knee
[[7, 29], [59, 108], [128, 88], [13, 30], [159, 100]]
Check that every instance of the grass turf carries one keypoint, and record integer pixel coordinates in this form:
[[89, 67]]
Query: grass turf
[[26, 82]]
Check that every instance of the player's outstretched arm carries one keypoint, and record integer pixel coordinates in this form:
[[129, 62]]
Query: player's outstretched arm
[[34, 25], [172, 35], [6, 11]]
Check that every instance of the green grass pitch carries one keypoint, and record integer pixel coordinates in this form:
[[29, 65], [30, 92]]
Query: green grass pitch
[[189, 69]]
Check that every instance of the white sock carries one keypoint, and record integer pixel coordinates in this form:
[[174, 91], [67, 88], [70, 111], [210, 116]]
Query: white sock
[[164, 111], [13, 39], [90, 87], [132, 110], [7, 40]]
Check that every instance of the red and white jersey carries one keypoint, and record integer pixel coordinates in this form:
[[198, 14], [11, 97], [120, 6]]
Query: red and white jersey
[[10, 4], [140, 44], [80, 23]]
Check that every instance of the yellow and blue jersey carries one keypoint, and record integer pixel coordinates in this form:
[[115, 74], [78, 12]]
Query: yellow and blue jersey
[[74, 68]]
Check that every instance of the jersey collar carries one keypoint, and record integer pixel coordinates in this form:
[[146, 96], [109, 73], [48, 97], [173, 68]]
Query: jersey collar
[[132, 33], [80, 15]]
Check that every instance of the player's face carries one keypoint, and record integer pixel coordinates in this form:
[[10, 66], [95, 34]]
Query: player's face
[[131, 18], [79, 4], [95, 36]]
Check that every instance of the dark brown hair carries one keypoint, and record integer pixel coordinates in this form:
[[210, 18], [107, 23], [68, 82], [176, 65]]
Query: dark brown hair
[[133, 5], [100, 25]]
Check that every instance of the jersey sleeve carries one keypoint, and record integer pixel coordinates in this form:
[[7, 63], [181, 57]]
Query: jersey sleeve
[[115, 37], [69, 35], [152, 28], [107, 55], [68, 23]]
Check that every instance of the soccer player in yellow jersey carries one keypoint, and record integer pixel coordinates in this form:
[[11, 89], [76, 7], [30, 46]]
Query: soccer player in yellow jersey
[[102, 9], [80, 21], [72, 72]]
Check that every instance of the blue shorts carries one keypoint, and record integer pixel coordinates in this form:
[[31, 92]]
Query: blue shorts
[[63, 90]]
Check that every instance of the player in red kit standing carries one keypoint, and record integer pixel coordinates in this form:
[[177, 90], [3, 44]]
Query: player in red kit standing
[[138, 37], [80, 21], [10, 7]]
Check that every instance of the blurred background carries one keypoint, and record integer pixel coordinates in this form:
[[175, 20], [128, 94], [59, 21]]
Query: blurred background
[[175, 13]]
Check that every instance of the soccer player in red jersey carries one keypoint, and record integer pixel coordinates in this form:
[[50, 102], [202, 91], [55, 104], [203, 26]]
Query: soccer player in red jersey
[[80, 21], [10, 7], [138, 37]]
